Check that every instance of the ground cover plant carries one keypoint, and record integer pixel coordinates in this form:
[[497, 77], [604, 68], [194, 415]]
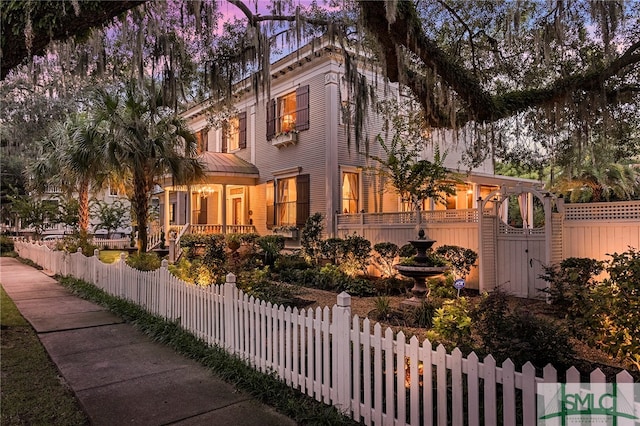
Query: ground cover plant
[[32, 390]]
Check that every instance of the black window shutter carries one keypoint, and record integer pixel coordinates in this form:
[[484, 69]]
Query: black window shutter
[[271, 119], [302, 202], [225, 130], [271, 207], [302, 108], [242, 130]]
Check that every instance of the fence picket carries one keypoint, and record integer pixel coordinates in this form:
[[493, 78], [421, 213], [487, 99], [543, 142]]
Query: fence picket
[[509, 392], [329, 355], [473, 417], [489, 376]]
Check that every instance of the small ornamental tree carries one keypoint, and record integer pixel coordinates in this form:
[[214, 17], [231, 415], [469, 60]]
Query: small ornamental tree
[[35, 214], [414, 179], [385, 254], [311, 238], [110, 216]]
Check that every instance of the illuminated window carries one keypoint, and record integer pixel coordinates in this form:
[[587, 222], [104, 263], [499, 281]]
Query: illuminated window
[[350, 192], [288, 201], [286, 119], [289, 112], [234, 133]]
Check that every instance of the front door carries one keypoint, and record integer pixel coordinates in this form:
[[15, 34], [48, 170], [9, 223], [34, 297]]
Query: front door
[[237, 211], [202, 214]]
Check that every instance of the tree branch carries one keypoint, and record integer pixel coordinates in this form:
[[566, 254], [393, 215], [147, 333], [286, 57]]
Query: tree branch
[[479, 104], [51, 21]]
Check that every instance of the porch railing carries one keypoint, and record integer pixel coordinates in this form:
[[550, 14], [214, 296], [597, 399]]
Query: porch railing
[[217, 229], [395, 218]]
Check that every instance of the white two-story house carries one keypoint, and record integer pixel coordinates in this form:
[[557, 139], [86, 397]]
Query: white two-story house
[[280, 158]]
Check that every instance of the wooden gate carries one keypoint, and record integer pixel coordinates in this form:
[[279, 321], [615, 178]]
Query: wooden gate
[[513, 258], [521, 254]]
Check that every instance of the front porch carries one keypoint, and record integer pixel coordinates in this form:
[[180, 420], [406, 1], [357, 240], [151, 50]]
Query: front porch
[[217, 204]]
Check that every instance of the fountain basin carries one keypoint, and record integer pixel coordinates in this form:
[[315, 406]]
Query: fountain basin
[[413, 271]]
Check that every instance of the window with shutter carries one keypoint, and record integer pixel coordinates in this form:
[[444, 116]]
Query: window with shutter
[[302, 108], [302, 200], [271, 119], [288, 201], [288, 113], [242, 130], [271, 208]]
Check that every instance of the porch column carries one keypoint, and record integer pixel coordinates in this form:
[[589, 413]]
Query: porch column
[[530, 209], [166, 215], [188, 217], [332, 194], [548, 229], [223, 208], [481, 260], [475, 189]]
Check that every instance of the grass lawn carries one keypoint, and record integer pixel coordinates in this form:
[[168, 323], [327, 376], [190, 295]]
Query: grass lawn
[[32, 390], [110, 256]]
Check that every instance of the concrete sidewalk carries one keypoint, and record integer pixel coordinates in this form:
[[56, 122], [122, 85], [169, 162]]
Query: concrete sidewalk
[[117, 373]]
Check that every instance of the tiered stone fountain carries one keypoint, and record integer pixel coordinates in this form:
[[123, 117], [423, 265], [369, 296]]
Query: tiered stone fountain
[[420, 271]]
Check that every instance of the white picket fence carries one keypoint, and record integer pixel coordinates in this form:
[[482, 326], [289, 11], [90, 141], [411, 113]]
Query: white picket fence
[[377, 378]]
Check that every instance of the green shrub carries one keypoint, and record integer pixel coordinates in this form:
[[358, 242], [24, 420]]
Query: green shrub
[[256, 283], [422, 316], [6, 244], [383, 307], [386, 253], [618, 300], [357, 287], [357, 252], [407, 250], [290, 262], [460, 259], [442, 287], [571, 285], [329, 277], [190, 243], [233, 242], [144, 261], [71, 244], [332, 249], [520, 335], [311, 238], [393, 285], [452, 322], [271, 246]]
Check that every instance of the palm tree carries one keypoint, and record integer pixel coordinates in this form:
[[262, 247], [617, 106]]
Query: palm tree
[[610, 182], [147, 141], [73, 157]]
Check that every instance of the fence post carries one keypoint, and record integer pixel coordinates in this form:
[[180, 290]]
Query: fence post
[[342, 350], [164, 285], [229, 311], [172, 248], [76, 265], [121, 266], [96, 258]]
